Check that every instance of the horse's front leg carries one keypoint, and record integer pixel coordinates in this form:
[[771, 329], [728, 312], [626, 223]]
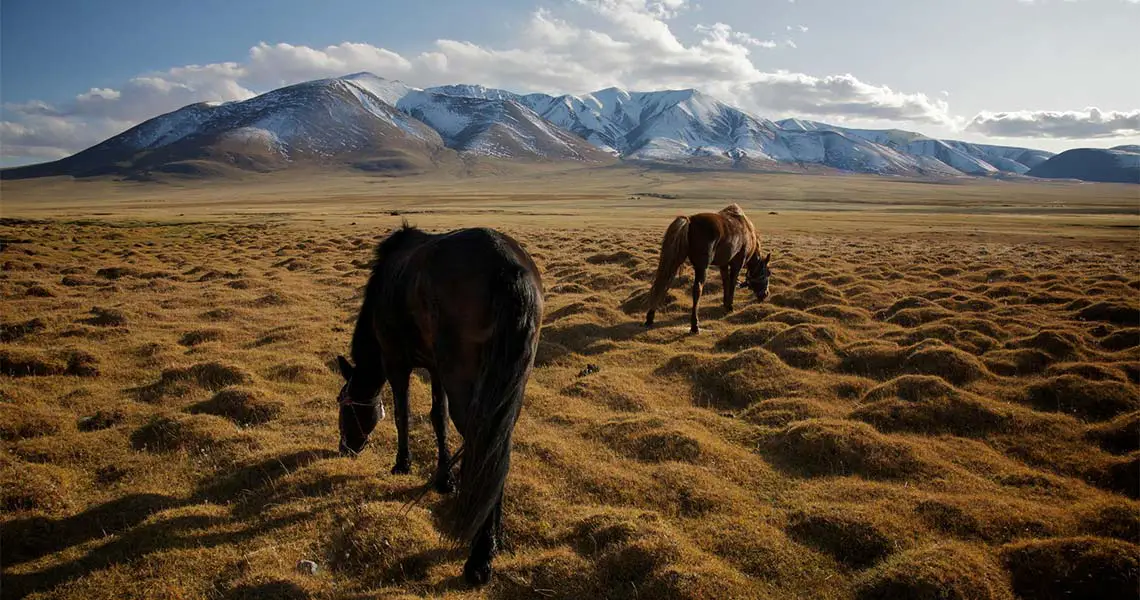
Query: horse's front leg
[[733, 275], [727, 282], [698, 287], [399, 383], [443, 482]]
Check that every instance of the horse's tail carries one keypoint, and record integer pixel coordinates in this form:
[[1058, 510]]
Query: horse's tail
[[674, 250], [497, 399]]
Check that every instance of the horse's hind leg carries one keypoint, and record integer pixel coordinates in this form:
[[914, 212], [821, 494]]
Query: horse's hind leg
[[727, 282], [443, 482], [477, 570], [399, 383]]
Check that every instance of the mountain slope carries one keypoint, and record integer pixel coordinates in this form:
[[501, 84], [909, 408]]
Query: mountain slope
[[965, 157], [496, 126], [328, 120], [677, 125], [379, 124], [1092, 164]]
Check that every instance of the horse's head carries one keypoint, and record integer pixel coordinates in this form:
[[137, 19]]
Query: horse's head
[[757, 276], [359, 406]]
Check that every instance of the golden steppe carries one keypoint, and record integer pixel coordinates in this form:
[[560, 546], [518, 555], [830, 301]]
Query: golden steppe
[[941, 399]]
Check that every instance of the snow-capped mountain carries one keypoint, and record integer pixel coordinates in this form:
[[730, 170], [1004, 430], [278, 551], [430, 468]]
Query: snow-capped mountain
[[677, 125], [327, 120], [971, 159], [497, 126], [371, 122]]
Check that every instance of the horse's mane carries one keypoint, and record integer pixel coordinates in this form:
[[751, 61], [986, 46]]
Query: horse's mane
[[732, 209], [364, 345], [394, 241]]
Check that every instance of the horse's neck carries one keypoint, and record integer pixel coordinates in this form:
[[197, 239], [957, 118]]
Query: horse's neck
[[743, 228], [365, 346]]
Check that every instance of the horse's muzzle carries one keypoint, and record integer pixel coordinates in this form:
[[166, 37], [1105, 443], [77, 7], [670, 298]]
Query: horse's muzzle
[[346, 450]]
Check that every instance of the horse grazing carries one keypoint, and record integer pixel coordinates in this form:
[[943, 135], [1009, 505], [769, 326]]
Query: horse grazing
[[726, 239], [467, 306]]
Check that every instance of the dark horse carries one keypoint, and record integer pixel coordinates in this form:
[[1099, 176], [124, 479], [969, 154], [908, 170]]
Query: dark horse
[[467, 306], [726, 239]]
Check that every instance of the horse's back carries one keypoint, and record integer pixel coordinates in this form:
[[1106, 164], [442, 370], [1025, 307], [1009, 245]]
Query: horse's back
[[463, 273], [485, 253], [707, 228]]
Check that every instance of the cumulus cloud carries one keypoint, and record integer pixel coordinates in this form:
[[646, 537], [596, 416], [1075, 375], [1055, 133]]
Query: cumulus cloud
[[1090, 123], [1067, 1], [628, 43], [844, 96], [48, 137]]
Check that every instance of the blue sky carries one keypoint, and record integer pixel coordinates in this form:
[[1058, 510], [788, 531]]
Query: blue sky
[[1049, 73]]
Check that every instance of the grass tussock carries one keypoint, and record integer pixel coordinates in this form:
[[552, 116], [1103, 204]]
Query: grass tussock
[[1081, 567], [854, 538], [241, 405], [19, 422], [910, 415], [829, 447], [619, 391], [201, 336], [39, 488], [738, 381], [11, 332], [209, 375], [189, 433], [1085, 399], [106, 317], [929, 405], [382, 543], [946, 571]]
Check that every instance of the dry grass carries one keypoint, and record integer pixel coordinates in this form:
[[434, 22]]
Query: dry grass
[[944, 410]]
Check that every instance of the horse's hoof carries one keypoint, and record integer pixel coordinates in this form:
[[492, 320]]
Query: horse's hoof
[[402, 468], [694, 330], [443, 485], [477, 574]]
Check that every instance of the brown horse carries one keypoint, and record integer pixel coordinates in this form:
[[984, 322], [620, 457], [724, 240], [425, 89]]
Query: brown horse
[[726, 239], [467, 306]]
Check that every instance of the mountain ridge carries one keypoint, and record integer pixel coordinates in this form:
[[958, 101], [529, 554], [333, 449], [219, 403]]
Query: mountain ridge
[[365, 119]]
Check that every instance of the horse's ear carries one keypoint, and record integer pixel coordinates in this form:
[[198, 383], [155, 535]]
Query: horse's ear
[[345, 367], [767, 258]]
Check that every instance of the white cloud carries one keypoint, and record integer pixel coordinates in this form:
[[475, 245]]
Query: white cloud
[[841, 96], [629, 43], [40, 136], [1066, 1], [721, 33], [1088, 124]]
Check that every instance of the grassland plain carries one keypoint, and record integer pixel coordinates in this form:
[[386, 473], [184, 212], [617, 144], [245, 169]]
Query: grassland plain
[[940, 400]]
